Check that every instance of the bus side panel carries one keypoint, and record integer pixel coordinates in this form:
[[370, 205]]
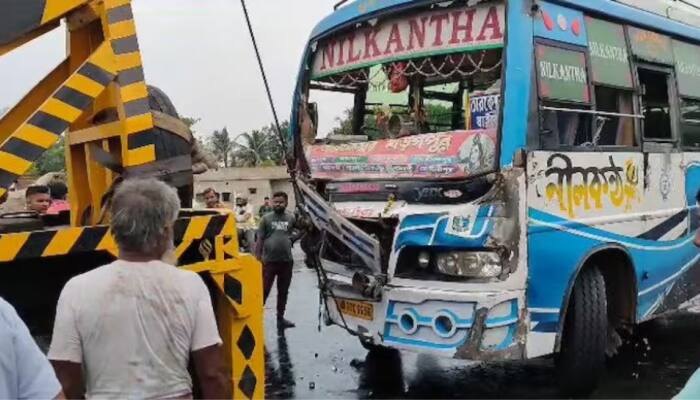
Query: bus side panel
[[580, 203]]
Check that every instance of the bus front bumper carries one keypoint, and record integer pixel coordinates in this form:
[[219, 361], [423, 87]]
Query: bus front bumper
[[479, 326]]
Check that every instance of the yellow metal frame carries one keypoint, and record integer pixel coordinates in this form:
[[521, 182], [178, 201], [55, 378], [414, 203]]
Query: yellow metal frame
[[103, 75]]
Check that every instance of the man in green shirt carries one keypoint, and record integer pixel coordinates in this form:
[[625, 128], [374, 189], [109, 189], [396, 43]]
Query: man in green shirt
[[276, 235]]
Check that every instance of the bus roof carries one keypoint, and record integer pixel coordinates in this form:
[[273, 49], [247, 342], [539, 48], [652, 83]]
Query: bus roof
[[677, 18]]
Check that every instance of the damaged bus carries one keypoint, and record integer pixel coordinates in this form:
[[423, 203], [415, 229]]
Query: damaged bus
[[509, 179]]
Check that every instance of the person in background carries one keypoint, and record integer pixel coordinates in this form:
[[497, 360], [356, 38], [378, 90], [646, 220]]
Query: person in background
[[212, 199], [137, 341], [59, 192], [244, 211], [276, 235], [265, 208], [25, 373], [38, 198], [245, 221]]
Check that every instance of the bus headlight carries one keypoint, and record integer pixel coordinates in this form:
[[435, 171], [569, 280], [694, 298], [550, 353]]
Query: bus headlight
[[480, 264]]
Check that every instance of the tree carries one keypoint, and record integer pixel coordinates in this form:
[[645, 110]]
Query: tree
[[260, 147], [344, 124], [276, 151], [251, 148], [53, 160], [191, 122], [221, 146]]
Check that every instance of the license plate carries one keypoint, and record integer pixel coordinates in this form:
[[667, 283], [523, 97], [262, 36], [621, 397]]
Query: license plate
[[357, 309]]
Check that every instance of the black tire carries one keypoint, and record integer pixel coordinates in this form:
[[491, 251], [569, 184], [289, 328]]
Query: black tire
[[581, 359], [371, 347]]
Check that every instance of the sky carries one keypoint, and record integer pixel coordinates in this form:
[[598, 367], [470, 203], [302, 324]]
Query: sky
[[199, 52]]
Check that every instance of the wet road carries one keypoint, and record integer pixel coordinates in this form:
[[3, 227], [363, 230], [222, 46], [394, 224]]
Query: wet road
[[304, 363]]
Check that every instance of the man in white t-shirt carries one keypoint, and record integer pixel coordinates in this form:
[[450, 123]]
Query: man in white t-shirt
[[132, 326]]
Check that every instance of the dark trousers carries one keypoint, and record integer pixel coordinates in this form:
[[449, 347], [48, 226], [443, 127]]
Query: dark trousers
[[283, 272]]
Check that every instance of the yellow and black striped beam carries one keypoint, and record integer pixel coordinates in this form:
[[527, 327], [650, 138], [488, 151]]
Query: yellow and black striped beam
[[51, 243], [120, 30], [21, 17], [52, 118]]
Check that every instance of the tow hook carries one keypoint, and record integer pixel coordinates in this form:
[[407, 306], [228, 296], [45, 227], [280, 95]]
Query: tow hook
[[369, 285]]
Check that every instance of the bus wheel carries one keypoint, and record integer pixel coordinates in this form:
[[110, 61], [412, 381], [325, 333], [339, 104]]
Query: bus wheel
[[371, 347], [581, 359]]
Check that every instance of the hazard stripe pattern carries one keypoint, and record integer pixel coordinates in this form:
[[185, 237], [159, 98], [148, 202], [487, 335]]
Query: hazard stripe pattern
[[49, 243], [45, 126], [132, 86]]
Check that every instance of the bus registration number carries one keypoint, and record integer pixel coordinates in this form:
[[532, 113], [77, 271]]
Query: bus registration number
[[357, 309]]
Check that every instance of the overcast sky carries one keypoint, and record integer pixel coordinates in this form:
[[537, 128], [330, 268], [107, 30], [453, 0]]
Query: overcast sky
[[199, 52]]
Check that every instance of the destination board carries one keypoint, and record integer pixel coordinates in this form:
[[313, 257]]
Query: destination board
[[610, 63], [562, 74]]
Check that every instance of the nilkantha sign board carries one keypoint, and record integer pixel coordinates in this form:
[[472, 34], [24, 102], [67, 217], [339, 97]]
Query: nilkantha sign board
[[610, 62], [430, 33], [687, 68], [650, 46], [562, 74]]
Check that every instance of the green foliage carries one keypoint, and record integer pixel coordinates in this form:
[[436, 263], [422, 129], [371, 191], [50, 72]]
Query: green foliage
[[191, 122], [221, 145], [344, 126], [260, 147], [439, 117], [53, 160]]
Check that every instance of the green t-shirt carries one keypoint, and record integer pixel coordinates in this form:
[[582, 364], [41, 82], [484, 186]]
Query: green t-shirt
[[276, 233]]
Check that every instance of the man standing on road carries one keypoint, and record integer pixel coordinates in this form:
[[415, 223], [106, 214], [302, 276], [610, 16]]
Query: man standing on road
[[25, 373], [274, 247], [245, 222], [133, 326]]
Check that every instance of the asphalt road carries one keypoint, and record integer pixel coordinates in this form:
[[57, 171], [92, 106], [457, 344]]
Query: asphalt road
[[306, 363]]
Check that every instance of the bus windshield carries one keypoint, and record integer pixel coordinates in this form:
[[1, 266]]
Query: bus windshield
[[414, 95]]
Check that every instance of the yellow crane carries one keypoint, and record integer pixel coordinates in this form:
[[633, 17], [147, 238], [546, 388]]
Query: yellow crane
[[114, 127]]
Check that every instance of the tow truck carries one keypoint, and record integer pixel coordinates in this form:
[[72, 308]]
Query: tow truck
[[114, 127]]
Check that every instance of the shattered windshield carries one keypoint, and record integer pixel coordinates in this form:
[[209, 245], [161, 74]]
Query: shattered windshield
[[409, 96]]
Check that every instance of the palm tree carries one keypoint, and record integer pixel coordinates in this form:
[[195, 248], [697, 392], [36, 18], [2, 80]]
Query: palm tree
[[252, 148]]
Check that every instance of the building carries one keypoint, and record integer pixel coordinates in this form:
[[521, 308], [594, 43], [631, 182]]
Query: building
[[252, 183]]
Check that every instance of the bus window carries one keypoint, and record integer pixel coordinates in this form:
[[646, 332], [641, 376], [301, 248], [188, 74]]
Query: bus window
[[690, 123], [614, 130], [656, 107], [334, 112], [399, 99], [562, 125]]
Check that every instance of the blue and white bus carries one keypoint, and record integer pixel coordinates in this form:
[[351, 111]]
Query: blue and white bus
[[512, 179]]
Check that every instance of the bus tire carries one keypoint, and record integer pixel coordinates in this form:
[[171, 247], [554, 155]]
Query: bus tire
[[581, 360], [371, 347]]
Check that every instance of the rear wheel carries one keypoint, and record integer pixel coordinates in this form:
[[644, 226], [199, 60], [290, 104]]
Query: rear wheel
[[581, 359]]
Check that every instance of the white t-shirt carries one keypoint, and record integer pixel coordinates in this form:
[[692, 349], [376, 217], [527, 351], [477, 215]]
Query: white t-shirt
[[133, 326], [244, 214]]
